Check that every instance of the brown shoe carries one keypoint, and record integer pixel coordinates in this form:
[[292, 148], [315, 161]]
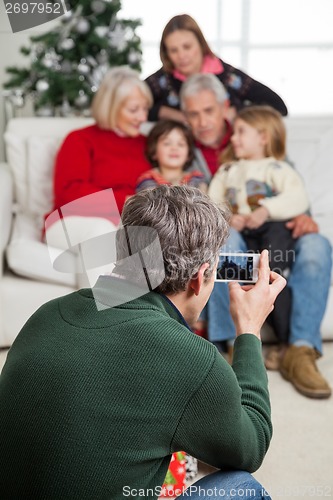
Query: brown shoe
[[274, 356], [299, 367]]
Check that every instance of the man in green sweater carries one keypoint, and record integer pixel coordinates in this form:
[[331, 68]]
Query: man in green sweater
[[99, 390]]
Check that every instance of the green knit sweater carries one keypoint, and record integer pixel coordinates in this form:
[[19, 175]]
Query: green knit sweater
[[93, 402]]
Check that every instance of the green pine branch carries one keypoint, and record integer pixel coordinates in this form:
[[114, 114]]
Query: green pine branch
[[54, 74]]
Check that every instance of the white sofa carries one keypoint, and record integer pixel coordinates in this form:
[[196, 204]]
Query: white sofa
[[27, 278]]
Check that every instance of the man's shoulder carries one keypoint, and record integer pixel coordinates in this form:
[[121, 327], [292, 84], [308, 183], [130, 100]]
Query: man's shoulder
[[162, 320], [42, 325], [53, 306], [180, 345]]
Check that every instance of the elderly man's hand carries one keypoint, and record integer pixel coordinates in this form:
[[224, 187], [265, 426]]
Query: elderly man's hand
[[302, 224], [251, 304]]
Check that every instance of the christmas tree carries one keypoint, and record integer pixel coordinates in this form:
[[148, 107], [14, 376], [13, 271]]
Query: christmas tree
[[68, 63]]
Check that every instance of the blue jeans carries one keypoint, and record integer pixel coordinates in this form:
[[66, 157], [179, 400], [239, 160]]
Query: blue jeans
[[229, 485], [309, 281]]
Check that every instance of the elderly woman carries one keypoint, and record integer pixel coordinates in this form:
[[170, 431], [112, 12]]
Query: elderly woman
[[184, 51], [108, 154]]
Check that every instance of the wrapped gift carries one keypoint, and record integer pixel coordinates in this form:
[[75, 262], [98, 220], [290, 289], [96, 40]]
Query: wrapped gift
[[175, 479], [191, 468]]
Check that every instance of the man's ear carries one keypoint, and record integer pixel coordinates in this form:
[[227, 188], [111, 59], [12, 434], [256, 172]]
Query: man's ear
[[229, 112], [197, 282], [226, 105]]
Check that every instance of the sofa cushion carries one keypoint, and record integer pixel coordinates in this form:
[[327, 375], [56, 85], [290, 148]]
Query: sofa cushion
[[20, 297], [310, 148], [40, 162], [28, 256], [31, 146]]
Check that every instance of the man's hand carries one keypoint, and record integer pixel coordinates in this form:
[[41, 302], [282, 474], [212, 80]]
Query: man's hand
[[302, 224], [257, 218], [250, 305]]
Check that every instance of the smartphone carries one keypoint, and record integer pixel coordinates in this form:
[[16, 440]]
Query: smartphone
[[243, 267]]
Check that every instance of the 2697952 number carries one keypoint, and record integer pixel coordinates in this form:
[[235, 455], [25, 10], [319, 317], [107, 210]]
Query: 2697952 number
[[33, 7]]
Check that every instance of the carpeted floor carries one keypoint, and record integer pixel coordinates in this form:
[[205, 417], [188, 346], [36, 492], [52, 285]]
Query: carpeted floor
[[299, 463]]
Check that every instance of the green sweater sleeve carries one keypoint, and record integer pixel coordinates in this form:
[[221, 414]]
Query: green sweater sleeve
[[226, 423]]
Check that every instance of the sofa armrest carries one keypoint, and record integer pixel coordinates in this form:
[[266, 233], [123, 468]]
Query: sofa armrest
[[6, 209]]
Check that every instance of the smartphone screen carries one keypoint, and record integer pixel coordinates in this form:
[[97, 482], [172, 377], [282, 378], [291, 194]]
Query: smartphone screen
[[242, 267]]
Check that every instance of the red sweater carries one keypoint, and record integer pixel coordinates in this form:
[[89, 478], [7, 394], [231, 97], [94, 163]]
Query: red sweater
[[92, 159]]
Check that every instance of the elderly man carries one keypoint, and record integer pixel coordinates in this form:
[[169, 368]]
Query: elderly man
[[205, 103], [102, 386]]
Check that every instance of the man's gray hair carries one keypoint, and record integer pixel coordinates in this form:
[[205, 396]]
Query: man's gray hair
[[191, 229], [199, 82]]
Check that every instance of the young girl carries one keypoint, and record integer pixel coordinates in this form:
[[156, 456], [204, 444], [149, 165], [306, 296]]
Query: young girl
[[264, 193], [170, 150]]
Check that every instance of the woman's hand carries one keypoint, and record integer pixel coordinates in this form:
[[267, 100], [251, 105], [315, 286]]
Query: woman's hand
[[250, 305]]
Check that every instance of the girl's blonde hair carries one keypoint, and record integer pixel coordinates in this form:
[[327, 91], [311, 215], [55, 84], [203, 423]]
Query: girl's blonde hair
[[116, 86], [267, 120], [187, 23]]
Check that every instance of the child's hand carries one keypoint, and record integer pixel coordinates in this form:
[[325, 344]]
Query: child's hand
[[238, 222], [257, 218]]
